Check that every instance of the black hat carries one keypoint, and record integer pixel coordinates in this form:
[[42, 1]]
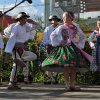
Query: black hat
[[54, 17], [21, 15]]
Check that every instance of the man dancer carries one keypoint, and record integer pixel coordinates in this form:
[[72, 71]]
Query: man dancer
[[54, 21], [16, 45]]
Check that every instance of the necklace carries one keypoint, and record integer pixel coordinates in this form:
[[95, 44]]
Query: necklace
[[72, 27]]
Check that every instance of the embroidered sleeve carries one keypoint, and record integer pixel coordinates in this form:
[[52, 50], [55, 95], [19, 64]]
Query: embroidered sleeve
[[90, 39]]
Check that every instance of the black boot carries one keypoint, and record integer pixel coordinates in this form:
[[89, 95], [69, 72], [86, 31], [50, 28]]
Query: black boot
[[13, 86]]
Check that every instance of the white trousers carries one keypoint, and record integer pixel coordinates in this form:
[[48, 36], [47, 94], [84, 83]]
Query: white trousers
[[26, 56]]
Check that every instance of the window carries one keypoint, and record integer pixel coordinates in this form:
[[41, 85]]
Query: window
[[73, 2], [64, 3]]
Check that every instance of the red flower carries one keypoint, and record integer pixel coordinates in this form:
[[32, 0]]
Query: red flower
[[65, 36], [55, 62], [64, 56]]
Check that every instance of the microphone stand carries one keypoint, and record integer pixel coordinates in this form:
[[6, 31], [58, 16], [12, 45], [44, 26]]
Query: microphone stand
[[12, 8]]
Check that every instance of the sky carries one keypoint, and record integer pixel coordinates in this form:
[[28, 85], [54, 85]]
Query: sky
[[35, 8]]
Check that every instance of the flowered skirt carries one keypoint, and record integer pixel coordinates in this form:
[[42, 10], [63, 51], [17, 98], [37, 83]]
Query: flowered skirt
[[68, 56]]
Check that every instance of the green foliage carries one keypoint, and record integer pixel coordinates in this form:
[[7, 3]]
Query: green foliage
[[86, 27], [37, 75]]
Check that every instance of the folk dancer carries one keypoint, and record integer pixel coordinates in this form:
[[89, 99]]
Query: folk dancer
[[7, 33], [67, 53], [95, 46], [50, 77], [20, 34]]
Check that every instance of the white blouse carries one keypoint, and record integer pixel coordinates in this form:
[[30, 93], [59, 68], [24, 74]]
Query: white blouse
[[46, 38], [56, 36]]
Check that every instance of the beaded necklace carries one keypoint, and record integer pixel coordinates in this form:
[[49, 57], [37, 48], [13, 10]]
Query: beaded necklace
[[72, 27]]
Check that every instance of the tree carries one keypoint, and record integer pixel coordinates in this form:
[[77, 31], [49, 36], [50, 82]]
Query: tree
[[39, 19]]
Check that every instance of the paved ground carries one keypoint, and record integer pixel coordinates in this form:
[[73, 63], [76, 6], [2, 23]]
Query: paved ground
[[49, 92]]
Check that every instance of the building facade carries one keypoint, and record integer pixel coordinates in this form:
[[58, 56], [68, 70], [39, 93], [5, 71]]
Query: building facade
[[57, 7], [79, 7]]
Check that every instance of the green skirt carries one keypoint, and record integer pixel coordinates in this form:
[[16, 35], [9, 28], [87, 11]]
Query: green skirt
[[68, 56]]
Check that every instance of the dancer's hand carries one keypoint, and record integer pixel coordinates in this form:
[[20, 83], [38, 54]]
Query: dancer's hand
[[93, 47], [63, 43]]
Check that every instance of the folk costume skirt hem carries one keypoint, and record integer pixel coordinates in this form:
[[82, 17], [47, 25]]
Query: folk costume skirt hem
[[64, 56]]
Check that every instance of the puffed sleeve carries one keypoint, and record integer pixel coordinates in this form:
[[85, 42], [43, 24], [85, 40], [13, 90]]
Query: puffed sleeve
[[7, 30], [81, 35], [56, 37], [90, 39], [32, 34], [46, 36], [30, 26], [11, 42]]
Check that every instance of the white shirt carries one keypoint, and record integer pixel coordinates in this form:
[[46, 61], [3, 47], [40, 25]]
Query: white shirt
[[19, 34], [90, 39], [7, 30], [46, 38]]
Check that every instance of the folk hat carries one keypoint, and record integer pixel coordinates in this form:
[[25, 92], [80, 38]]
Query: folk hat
[[54, 17], [20, 15]]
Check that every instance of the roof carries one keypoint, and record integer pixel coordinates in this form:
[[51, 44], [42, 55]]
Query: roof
[[5, 21]]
